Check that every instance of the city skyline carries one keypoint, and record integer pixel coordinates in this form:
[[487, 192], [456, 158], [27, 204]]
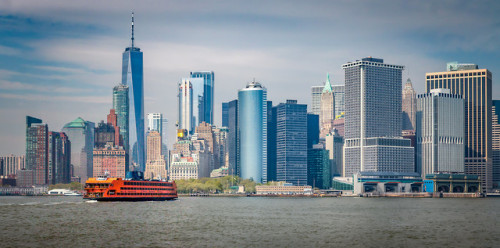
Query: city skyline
[[74, 59]]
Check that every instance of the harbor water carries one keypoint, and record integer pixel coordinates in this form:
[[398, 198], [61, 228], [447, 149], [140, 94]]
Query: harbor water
[[68, 221]]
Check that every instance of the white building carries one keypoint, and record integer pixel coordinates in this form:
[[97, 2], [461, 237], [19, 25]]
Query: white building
[[186, 105], [440, 132], [185, 168]]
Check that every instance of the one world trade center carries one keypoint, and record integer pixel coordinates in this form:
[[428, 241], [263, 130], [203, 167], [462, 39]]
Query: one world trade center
[[132, 76]]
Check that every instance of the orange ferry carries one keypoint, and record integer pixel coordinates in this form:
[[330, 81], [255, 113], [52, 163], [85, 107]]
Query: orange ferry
[[117, 189]]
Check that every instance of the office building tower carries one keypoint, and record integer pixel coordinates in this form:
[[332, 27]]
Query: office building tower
[[334, 144], [37, 150], [221, 140], [312, 130], [81, 135], [105, 133], [183, 169], [121, 107], [475, 86], [316, 92], [252, 131], [109, 161], [156, 167], [318, 167], [339, 96], [327, 108], [373, 119], [155, 121], [206, 109], [440, 133], [225, 114], [11, 164], [59, 158], [291, 143], [495, 109], [409, 106], [233, 138], [186, 106], [132, 76], [271, 142]]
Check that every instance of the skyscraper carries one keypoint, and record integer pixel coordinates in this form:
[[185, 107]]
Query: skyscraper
[[339, 96], [475, 86], [206, 103], [225, 114], [291, 142], [132, 76], [155, 122], [121, 107], [12, 164], [37, 149], [334, 143], [495, 108], [327, 115], [186, 106], [409, 106], [233, 138], [81, 135], [59, 158], [318, 167], [316, 92], [373, 119], [252, 131], [440, 132], [271, 141], [155, 164]]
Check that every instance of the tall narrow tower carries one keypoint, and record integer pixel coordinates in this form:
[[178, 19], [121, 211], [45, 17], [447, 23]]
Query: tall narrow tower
[[132, 76], [409, 106]]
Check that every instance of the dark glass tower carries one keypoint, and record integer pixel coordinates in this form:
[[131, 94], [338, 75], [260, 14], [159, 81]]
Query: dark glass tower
[[132, 76], [206, 107]]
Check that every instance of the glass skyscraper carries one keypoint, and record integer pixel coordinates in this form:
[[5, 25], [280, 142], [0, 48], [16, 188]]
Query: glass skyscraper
[[120, 105], [232, 137], [291, 142], [252, 131], [132, 76], [206, 100], [81, 135]]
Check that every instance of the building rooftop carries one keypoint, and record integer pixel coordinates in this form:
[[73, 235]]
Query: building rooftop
[[77, 123]]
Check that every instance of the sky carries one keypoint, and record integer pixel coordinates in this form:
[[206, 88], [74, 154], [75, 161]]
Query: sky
[[59, 60]]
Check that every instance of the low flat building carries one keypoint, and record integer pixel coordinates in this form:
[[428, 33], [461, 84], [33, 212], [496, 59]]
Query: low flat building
[[452, 183], [387, 182], [282, 188]]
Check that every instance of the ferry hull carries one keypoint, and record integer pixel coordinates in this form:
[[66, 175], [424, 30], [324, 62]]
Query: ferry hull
[[132, 199]]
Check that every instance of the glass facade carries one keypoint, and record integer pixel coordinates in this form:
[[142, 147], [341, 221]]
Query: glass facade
[[252, 132], [120, 105], [232, 137], [225, 116], [318, 168], [291, 143], [132, 76], [206, 102], [81, 135]]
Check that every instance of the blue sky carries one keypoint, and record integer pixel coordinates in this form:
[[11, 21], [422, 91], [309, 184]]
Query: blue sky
[[60, 59]]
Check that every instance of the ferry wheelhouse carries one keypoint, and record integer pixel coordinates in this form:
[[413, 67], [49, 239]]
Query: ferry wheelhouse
[[117, 189]]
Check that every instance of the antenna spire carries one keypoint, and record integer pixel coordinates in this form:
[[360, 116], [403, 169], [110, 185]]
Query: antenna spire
[[132, 29]]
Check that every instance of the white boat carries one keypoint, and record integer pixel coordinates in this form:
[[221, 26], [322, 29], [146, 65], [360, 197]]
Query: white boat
[[64, 192]]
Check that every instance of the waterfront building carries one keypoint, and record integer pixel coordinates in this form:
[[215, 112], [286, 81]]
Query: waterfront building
[[206, 103], [291, 142], [225, 114], [452, 183], [339, 96], [155, 163], [183, 169], [132, 76], [373, 124], [81, 135], [318, 167], [252, 131], [109, 161], [283, 188], [334, 144], [186, 106], [11, 164], [59, 166], [495, 109], [37, 149], [316, 92], [387, 182], [475, 86], [121, 107], [233, 138], [409, 106], [327, 108], [440, 133]]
